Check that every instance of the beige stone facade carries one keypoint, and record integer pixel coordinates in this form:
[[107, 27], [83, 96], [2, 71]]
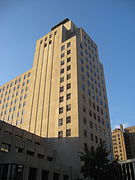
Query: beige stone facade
[[66, 98], [119, 148], [13, 99]]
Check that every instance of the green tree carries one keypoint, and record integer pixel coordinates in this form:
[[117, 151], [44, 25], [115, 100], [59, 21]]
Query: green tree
[[97, 166]]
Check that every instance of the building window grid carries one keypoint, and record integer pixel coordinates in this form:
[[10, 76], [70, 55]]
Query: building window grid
[[68, 86]]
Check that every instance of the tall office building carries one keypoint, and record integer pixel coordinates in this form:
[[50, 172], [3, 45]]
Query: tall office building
[[124, 143], [63, 97]]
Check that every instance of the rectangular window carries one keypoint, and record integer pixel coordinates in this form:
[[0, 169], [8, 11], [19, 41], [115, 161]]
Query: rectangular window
[[85, 133], [49, 158], [68, 119], [20, 79], [29, 74], [85, 146], [98, 118], [68, 52], [61, 88], [26, 88], [68, 132], [24, 104], [68, 59], [62, 63], [62, 47], [68, 44], [11, 84], [65, 177], [18, 149], [24, 76], [91, 125], [68, 107], [30, 153], [68, 76], [96, 139], [15, 107], [69, 96], [62, 79], [32, 173], [95, 116], [60, 123], [102, 111], [60, 134], [84, 109], [91, 137], [5, 147], [41, 156], [18, 114], [84, 120], [61, 99], [68, 67], [90, 113], [68, 85], [62, 71], [60, 110], [45, 175], [20, 105], [62, 55]]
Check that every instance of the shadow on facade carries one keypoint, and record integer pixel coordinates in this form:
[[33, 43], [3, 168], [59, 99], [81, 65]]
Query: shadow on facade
[[26, 156]]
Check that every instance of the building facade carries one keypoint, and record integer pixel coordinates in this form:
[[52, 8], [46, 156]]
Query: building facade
[[66, 99], [124, 143]]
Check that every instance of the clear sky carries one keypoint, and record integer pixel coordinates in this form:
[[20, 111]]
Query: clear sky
[[110, 23]]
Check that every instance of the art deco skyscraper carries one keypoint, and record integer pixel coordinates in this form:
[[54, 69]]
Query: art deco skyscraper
[[63, 97]]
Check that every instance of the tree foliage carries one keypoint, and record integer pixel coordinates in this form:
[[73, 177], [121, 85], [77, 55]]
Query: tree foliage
[[97, 166]]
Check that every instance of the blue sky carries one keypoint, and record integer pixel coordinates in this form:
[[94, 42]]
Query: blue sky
[[110, 23]]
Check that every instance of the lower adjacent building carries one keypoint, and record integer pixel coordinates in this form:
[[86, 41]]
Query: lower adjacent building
[[25, 156], [124, 143]]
